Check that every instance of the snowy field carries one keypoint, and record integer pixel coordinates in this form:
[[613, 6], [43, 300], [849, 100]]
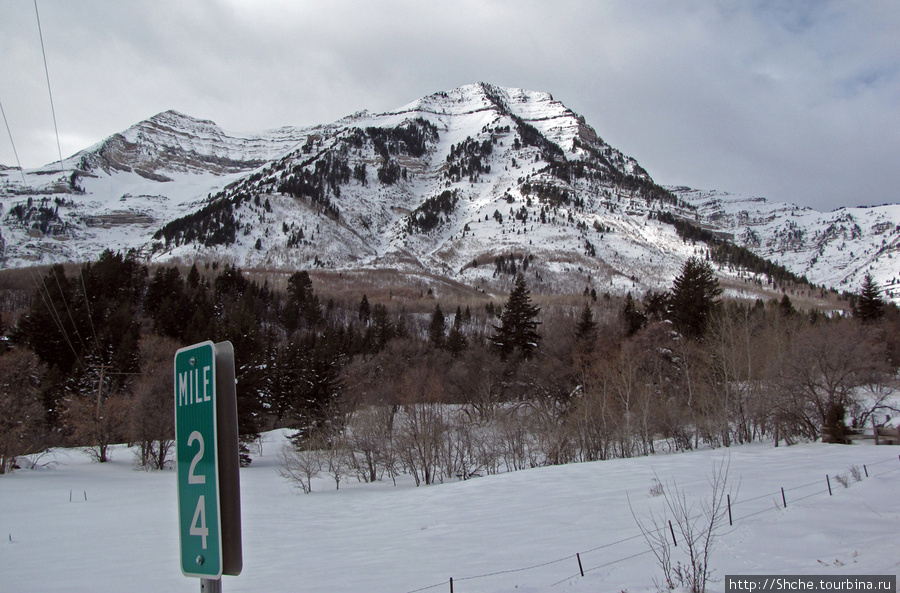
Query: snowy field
[[78, 526]]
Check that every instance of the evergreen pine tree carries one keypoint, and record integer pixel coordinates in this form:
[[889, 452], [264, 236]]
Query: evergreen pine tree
[[693, 297], [518, 327], [786, 306], [634, 319], [437, 328], [316, 385], [869, 306], [193, 277], [586, 328], [302, 301], [365, 311], [382, 329], [456, 341], [656, 304]]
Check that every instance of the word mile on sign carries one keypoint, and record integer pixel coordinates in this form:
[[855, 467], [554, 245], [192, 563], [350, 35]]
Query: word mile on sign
[[206, 452]]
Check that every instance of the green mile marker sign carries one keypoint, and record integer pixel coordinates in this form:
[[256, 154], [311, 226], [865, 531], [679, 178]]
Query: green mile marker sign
[[196, 448]]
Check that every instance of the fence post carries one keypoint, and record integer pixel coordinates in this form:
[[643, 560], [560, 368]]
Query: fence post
[[783, 499], [865, 469], [580, 567], [673, 533], [827, 479], [729, 510], [451, 584]]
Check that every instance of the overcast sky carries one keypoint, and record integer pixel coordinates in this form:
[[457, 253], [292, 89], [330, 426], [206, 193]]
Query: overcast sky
[[790, 100]]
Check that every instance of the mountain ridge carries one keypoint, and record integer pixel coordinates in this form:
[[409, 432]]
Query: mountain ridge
[[835, 248], [201, 145], [476, 183]]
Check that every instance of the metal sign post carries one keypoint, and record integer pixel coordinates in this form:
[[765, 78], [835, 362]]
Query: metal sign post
[[206, 449]]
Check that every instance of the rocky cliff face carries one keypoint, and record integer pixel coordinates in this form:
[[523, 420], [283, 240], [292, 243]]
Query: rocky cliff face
[[171, 142]]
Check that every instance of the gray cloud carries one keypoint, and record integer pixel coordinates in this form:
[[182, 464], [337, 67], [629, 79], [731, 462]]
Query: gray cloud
[[795, 101]]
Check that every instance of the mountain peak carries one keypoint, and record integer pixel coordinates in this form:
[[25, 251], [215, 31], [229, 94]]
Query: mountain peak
[[477, 184], [165, 125], [176, 119], [480, 96], [171, 142]]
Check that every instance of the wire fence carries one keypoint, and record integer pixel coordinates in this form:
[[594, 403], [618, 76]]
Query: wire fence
[[818, 487]]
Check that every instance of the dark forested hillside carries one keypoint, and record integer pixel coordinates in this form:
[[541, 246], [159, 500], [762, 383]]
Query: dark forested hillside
[[582, 378]]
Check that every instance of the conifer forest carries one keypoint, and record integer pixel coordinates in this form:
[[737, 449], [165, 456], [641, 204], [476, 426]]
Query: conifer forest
[[446, 387]]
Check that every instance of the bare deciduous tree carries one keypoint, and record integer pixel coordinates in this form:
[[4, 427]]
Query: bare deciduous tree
[[476, 379], [97, 423], [336, 459], [301, 464], [369, 435], [825, 366], [422, 424], [420, 440], [697, 524], [151, 424], [515, 439]]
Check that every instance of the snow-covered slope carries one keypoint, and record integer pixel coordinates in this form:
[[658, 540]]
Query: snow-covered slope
[[835, 249], [477, 184], [116, 193], [172, 142]]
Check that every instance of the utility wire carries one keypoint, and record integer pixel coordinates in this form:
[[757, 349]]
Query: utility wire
[[57, 318], [87, 305], [65, 301], [15, 152], [49, 90]]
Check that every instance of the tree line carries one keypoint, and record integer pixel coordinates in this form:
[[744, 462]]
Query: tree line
[[383, 390]]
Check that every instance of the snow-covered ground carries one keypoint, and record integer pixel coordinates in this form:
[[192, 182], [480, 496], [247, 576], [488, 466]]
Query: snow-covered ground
[[77, 526]]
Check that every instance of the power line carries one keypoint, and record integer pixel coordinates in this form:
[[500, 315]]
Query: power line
[[57, 318], [15, 152], [87, 305], [65, 301], [49, 90]]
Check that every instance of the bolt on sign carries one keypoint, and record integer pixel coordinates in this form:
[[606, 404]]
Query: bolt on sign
[[206, 451]]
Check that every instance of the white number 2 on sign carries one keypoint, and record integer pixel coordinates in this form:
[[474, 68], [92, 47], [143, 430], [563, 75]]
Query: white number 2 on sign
[[193, 478]]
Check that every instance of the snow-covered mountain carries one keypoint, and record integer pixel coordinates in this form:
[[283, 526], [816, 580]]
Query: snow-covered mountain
[[171, 142], [474, 184], [835, 249]]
